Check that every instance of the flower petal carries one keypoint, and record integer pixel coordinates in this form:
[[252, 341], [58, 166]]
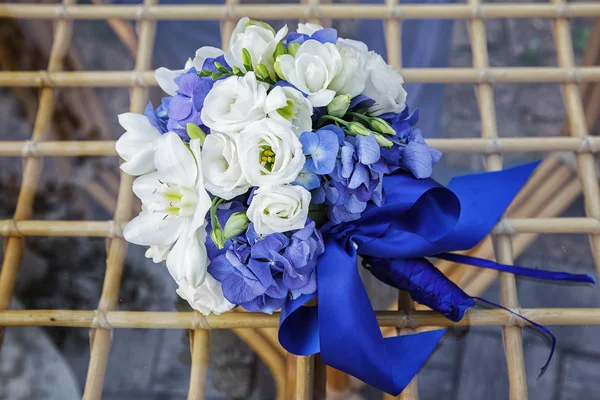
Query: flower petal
[[174, 162], [367, 149], [188, 259], [151, 228], [417, 159], [166, 79]]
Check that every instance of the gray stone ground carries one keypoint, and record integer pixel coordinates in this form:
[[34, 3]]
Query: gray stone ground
[[154, 364]]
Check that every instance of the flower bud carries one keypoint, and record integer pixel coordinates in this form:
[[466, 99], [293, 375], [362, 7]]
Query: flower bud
[[379, 125], [195, 132], [279, 51], [236, 225], [339, 105], [358, 128], [262, 24], [216, 234], [293, 48], [221, 68], [383, 142], [277, 68], [247, 59], [262, 72]]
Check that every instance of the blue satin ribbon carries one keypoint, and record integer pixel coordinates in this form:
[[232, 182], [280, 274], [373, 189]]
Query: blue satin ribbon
[[419, 219]]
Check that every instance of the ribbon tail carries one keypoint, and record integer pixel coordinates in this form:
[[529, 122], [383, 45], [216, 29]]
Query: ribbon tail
[[513, 269], [350, 337]]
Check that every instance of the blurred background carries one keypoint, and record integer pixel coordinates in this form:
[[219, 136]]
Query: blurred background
[[67, 273]]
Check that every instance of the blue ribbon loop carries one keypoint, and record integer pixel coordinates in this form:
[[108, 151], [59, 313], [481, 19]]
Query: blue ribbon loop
[[419, 219]]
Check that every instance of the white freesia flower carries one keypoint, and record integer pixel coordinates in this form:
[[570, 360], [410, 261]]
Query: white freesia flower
[[221, 167], [206, 298], [174, 206], [288, 106], [136, 146], [279, 208], [384, 85], [308, 28], [352, 77], [270, 153], [233, 103], [158, 253], [258, 39], [312, 69], [166, 77]]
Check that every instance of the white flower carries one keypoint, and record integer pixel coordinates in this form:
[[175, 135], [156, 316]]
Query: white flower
[[308, 28], [174, 206], [206, 298], [166, 77], [258, 39], [279, 208], [384, 85], [270, 153], [353, 75], [356, 44], [288, 106], [158, 253], [233, 103], [312, 70], [136, 146], [221, 167]]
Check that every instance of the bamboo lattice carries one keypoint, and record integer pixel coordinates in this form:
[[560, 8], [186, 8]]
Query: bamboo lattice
[[526, 218]]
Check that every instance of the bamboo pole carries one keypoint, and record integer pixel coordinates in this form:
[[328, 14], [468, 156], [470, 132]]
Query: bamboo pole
[[298, 11], [466, 145], [199, 349], [513, 336], [100, 345], [578, 127], [32, 167], [188, 320], [112, 229], [410, 75]]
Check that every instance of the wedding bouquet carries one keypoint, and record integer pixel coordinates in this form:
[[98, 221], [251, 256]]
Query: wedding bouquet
[[269, 167]]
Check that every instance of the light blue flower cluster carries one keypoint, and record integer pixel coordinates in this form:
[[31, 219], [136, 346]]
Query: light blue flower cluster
[[288, 132]]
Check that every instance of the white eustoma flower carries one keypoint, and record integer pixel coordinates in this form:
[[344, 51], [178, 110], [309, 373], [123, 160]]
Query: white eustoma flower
[[233, 103], [308, 28], [206, 298], [269, 153], [352, 77], [136, 146], [166, 77], [384, 85], [221, 166], [356, 44], [258, 39], [174, 206], [279, 208], [312, 69], [288, 106]]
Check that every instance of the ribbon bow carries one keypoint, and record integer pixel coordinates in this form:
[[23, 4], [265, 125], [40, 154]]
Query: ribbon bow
[[420, 218]]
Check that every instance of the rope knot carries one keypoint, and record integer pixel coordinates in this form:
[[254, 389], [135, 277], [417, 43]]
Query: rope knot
[[100, 321], [514, 319], [199, 321], [588, 145], [30, 149], [504, 227]]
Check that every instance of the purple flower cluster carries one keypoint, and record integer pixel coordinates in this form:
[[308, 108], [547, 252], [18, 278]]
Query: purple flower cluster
[[257, 271]]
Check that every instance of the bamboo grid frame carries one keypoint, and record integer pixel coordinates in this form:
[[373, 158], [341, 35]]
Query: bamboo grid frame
[[305, 374]]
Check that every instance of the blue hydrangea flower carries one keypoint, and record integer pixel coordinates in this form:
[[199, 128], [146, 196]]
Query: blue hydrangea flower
[[325, 35], [186, 105], [410, 152], [224, 211], [321, 149], [308, 179], [158, 118], [355, 180], [258, 272]]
